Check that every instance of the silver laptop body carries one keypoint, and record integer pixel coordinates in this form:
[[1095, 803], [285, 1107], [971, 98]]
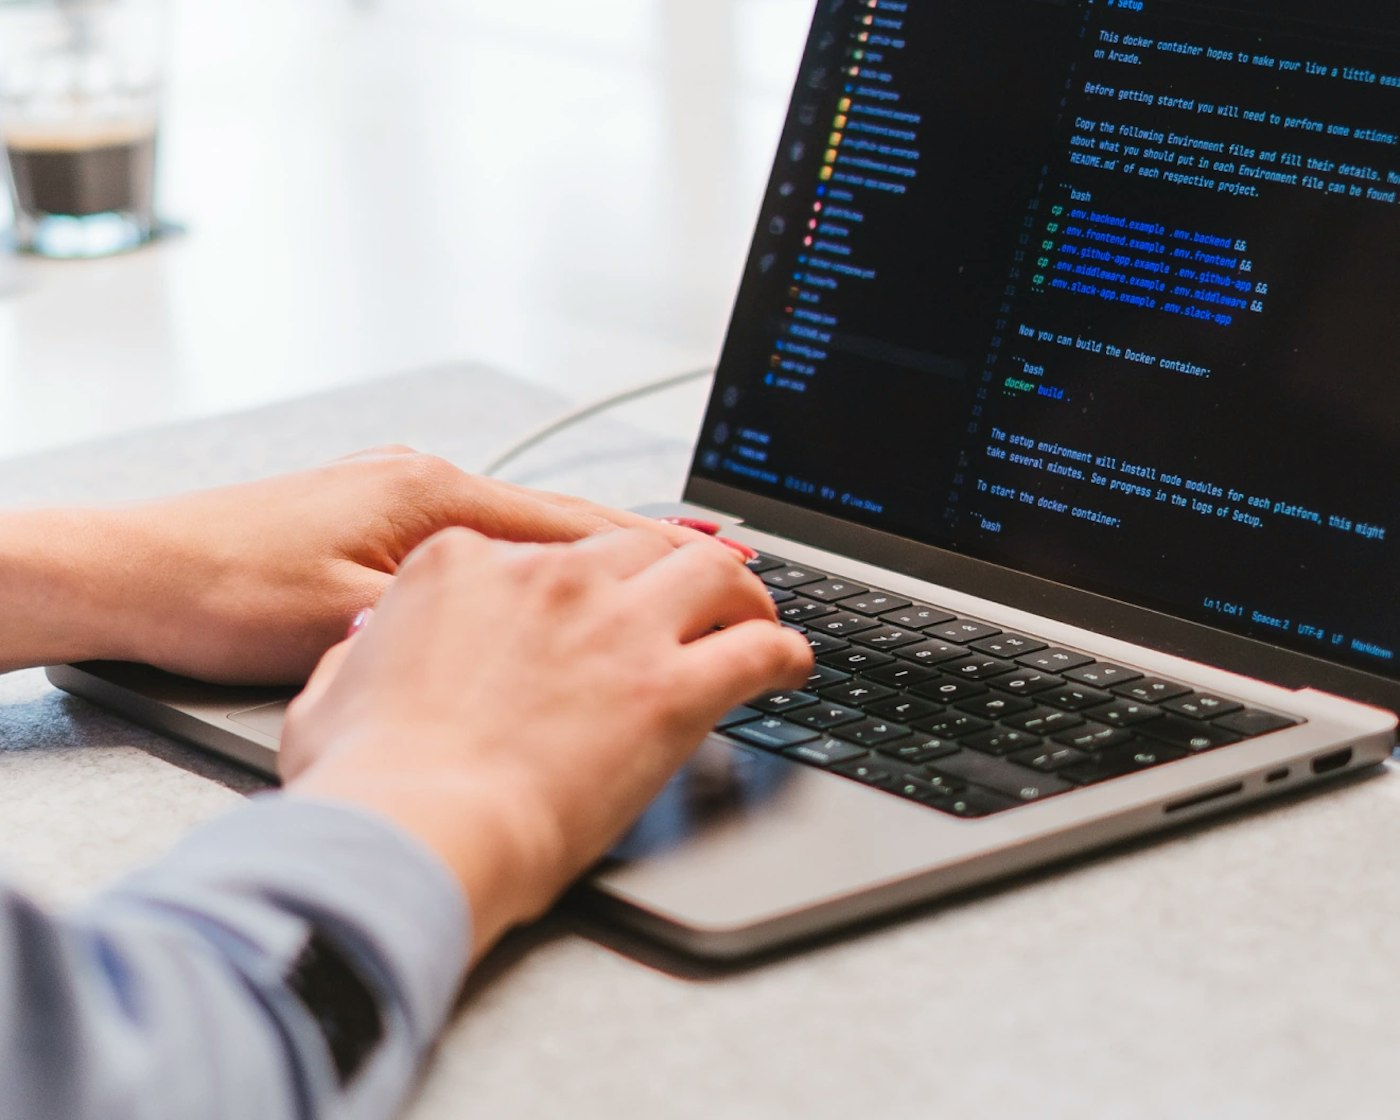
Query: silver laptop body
[[944, 155]]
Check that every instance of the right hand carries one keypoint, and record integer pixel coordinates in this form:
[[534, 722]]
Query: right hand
[[516, 707]]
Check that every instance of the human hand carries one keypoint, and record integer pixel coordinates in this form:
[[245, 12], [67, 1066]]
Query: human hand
[[517, 707], [251, 584]]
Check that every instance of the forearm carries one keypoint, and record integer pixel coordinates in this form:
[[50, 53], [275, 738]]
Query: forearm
[[188, 990], [61, 587]]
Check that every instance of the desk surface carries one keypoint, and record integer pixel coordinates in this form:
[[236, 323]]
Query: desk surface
[[1242, 970]]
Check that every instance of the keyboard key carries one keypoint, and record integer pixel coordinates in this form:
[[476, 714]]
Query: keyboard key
[[1201, 706], [974, 804], [743, 714], [822, 643], [771, 734], [826, 752], [1055, 661], [1252, 722], [932, 653], [1049, 758], [832, 590], [1094, 737], [1151, 690], [1100, 674], [1026, 682], [1002, 740], [930, 790], [803, 610], [1073, 699], [949, 690], [867, 773], [781, 596], [903, 709], [873, 732], [760, 564], [875, 603], [901, 675], [920, 750], [1119, 762], [788, 577], [776, 703], [1008, 645], [1124, 713], [977, 668], [916, 616], [994, 706], [824, 676], [1188, 734], [843, 625], [887, 637], [1001, 776], [1044, 721], [826, 716], [954, 725], [857, 693], [962, 630], [855, 659]]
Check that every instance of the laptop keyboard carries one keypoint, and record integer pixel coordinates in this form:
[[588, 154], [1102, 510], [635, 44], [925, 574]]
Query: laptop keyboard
[[961, 716]]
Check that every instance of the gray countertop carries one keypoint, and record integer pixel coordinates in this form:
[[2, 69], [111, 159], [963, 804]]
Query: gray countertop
[[1245, 969]]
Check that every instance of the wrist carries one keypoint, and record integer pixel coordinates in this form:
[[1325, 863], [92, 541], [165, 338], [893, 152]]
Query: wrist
[[61, 587], [504, 861]]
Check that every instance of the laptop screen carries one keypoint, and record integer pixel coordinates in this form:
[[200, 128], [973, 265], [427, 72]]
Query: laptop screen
[[1104, 291]]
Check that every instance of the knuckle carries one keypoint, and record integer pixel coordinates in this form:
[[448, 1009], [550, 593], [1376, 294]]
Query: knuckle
[[428, 472], [550, 574], [741, 585], [444, 551], [411, 476]]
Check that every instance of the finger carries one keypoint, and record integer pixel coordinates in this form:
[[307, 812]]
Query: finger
[[733, 665], [326, 672], [701, 587], [708, 528], [679, 530], [623, 553], [360, 621]]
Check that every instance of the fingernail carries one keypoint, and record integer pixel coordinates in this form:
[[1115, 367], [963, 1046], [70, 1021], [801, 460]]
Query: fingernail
[[742, 549], [361, 621], [709, 528]]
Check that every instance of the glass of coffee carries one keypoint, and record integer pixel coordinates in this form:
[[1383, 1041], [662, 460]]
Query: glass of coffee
[[80, 88]]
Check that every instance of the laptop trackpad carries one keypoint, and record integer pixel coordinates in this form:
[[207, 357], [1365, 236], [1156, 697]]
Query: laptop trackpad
[[267, 720]]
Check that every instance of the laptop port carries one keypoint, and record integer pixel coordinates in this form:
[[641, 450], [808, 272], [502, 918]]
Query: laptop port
[[1206, 798], [1337, 760], [1281, 775]]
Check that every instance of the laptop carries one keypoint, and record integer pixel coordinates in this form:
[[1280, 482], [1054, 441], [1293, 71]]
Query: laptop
[[1059, 403]]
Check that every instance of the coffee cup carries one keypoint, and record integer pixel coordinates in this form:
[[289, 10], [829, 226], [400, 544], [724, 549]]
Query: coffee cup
[[80, 88]]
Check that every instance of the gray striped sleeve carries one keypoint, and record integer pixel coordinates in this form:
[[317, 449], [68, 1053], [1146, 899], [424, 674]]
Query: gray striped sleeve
[[294, 959]]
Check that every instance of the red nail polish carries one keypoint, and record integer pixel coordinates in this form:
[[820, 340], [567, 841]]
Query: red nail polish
[[742, 549], [709, 528], [361, 621]]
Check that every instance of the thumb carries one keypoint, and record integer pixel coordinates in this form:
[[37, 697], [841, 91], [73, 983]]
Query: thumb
[[334, 660], [326, 672]]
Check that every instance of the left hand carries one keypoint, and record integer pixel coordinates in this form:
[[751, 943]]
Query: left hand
[[252, 584]]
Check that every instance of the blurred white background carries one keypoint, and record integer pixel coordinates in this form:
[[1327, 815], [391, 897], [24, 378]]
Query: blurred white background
[[564, 190]]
